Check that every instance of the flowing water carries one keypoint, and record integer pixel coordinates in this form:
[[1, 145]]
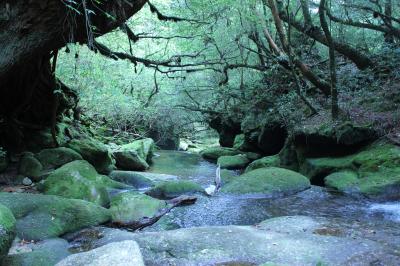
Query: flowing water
[[348, 216]]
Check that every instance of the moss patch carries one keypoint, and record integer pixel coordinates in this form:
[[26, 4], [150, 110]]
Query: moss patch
[[7, 229], [214, 153], [53, 158]]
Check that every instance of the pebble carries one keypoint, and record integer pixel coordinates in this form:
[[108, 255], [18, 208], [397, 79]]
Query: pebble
[[27, 181]]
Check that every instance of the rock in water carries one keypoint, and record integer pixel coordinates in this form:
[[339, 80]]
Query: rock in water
[[271, 182], [173, 189], [27, 181], [131, 206], [210, 190], [124, 253], [130, 160], [239, 161]]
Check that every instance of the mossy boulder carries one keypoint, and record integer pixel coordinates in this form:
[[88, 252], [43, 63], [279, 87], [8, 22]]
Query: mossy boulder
[[144, 148], [29, 166], [95, 153], [376, 171], [270, 181], [239, 161], [268, 161], [227, 176], [214, 153], [130, 206], [42, 139], [56, 157], [243, 144], [7, 230], [130, 160], [43, 216], [3, 160], [79, 180], [344, 181], [131, 178], [172, 189]]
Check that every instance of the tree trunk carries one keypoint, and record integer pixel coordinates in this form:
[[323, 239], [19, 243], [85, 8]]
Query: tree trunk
[[29, 33]]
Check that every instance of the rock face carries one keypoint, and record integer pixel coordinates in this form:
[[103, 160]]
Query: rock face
[[239, 161], [7, 230], [130, 206], [130, 160], [3, 160], [270, 181], [42, 216], [29, 166], [269, 161], [373, 171], [293, 240], [79, 180], [272, 138], [124, 253], [173, 189], [144, 148], [132, 179], [54, 158], [214, 153], [95, 152]]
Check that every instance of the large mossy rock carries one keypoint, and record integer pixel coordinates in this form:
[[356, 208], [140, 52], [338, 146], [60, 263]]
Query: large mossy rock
[[43, 216], [373, 171], [3, 160], [95, 153], [56, 157], [29, 166], [130, 160], [128, 207], [124, 253], [144, 148], [43, 139], [7, 230], [270, 181], [214, 153], [239, 161], [268, 161], [173, 189], [132, 179], [79, 180]]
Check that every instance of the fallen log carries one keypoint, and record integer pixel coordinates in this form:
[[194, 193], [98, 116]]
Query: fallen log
[[148, 221]]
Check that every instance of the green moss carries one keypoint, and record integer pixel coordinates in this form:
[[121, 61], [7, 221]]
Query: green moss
[[7, 229], [227, 176], [269, 181], [95, 153], [269, 161], [43, 216], [239, 161], [343, 181], [377, 169], [144, 148], [130, 206], [172, 189], [29, 166], [130, 160], [214, 153], [53, 158], [79, 180]]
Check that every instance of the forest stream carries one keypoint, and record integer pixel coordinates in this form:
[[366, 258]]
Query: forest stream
[[341, 216]]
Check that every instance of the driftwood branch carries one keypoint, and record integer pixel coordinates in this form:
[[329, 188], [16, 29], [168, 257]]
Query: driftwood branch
[[148, 221]]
